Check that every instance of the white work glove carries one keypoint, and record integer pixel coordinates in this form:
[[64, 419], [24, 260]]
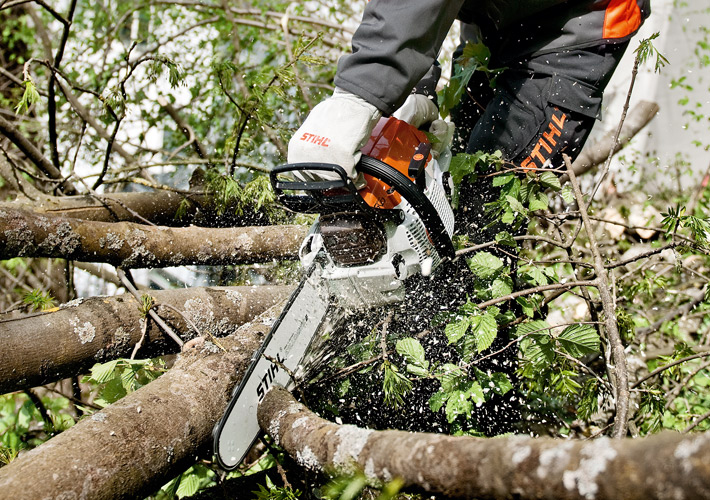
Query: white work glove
[[444, 133], [334, 132], [417, 110]]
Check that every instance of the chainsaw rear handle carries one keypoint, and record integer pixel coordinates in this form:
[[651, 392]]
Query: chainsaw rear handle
[[341, 195]]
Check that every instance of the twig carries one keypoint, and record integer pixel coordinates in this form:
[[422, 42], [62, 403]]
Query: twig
[[289, 52], [696, 423], [51, 102], [612, 150], [673, 394], [193, 325], [537, 289], [611, 326], [139, 344], [154, 315], [663, 368]]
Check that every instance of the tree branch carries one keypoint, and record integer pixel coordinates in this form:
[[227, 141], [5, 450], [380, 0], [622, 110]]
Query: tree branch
[[156, 431], [505, 467], [34, 155], [620, 370], [131, 245], [100, 329]]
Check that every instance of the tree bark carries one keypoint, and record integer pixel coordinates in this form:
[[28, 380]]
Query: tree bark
[[131, 245], [134, 446], [158, 207], [50, 346], [666, 465]]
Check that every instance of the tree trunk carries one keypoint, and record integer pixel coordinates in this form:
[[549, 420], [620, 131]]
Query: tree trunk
[[50, 346], [666, 465], [131, 245], [134, 446]]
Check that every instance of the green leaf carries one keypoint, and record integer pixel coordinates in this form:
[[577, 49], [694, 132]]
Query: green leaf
[[501, 383], [475, 392], [550, 180], [417, 370], [455, 330], [527, 306], [567, 194], [484, 264], [537, 326], [437, 400], [534, 273], [412, 351], [578, 340], [29, 97], [502, 180], [450, 377], [589, 402], [462, 165], [538, 201], [516, 205], [505, 238], [565, 382], [538, 350], [103, 372], [395, 385], [457, 404], [501, 287], [485, 330], [189, 484]]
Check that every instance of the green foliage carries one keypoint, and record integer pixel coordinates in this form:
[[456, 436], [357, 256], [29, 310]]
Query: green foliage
[[188, 483], [229, 195], [646, 51], [22, 426], [413, 352], [351, 487], [29, 97], [395, 385], [475, 57], [119, 377], [676, 218], [38, 300], [147, 303]]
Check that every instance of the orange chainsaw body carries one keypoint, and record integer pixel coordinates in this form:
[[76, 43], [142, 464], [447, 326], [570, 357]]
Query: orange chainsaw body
[[392, 141]]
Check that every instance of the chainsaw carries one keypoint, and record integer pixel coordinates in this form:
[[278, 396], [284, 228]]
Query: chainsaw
[[364, 244]]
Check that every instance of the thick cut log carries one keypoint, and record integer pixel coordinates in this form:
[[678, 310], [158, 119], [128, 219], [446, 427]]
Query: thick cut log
[[50, 346], [663, 466], [125, 244], [134, 446]]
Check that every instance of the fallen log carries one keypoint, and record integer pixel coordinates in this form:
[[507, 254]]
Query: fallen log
[[131, 448], [49, 346], [129, 245], [666, 465]]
